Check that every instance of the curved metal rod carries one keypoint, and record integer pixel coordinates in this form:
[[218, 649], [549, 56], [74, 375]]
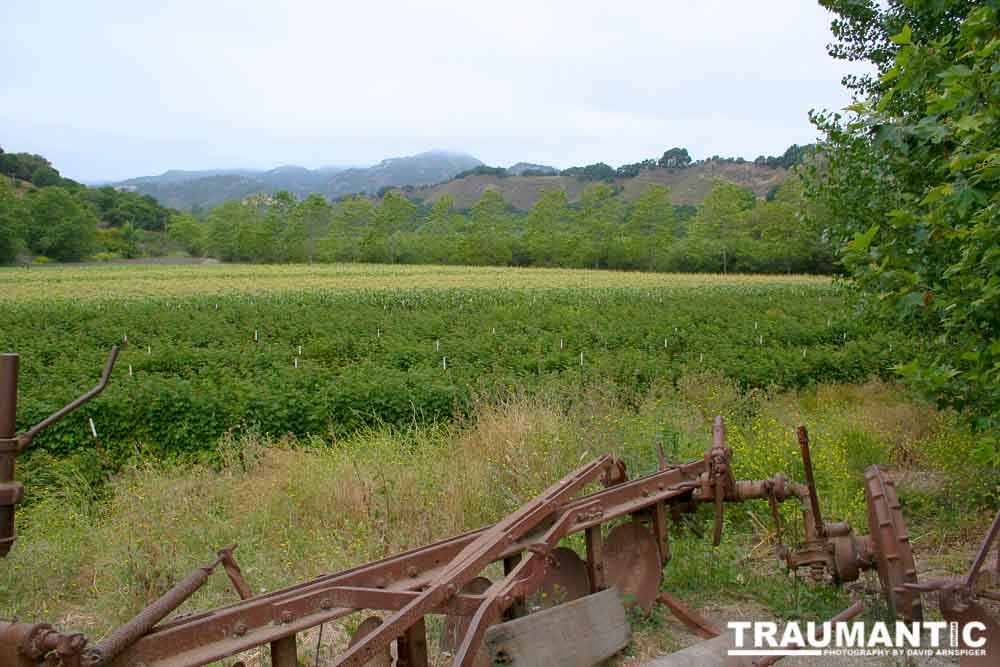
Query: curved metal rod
[[25, 438]]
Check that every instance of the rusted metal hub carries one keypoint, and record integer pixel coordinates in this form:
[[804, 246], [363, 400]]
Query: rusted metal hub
[[23, 644]]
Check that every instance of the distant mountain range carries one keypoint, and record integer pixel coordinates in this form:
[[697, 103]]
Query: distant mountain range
[[428, 176], [207, 188]]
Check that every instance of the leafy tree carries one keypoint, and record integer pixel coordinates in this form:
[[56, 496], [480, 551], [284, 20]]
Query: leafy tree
[[793, 156], [546, 236], [651, 222], [231, 231], [486, 242], [60, 226], [675, 158], [350, 218], [313, 216], [22, 165], [592, 172], [45, 176], [721, 218], [636, 168], [12, 216], [380, 240], [911, 183], [441, 215], [483, 170], [185, 229], [601, 215]]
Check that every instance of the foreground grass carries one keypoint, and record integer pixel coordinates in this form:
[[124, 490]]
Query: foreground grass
[[134, 281], [89, 558]]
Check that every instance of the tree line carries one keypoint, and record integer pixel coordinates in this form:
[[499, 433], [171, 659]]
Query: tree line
[[731, 231], [59, 219]]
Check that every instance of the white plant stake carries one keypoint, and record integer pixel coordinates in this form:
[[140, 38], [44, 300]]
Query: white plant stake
[[149, 350], [444, 363], [256, 336], [93, 429], [130, 370], [701, 358], [560, 343], [437, 345], [125, 339], [296, 362], [581, 360], [494, 331], [760, 340], [378, 333]]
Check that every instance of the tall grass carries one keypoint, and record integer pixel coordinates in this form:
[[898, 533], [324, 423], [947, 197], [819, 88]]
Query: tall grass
[[90, 558]]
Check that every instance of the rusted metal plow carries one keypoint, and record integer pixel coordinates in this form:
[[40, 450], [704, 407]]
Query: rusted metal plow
[[625, 526]]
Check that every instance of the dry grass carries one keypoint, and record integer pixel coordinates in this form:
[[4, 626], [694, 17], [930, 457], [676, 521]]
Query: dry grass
[[157, 281]]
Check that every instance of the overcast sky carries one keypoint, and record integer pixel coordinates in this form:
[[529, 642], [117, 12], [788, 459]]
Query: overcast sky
[[109, 89]]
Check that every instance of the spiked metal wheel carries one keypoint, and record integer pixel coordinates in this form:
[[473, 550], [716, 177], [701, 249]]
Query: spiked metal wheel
[[891, 545]]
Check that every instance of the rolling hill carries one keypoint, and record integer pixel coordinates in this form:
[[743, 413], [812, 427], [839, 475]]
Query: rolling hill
[[188, 189], [687, 185]]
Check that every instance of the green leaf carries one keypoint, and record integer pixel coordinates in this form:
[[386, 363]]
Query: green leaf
[[970, 123], [903, 38], [862, 242]]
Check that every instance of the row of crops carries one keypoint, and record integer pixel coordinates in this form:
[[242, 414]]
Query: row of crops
[[310, 362]]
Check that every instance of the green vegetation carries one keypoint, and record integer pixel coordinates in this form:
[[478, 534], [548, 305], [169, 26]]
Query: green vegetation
[[91, 556], [911, 186], [325, 362], [59, 219], [730, 231], [606, 228]]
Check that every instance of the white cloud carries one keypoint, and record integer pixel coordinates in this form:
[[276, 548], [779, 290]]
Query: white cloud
[[114, 89]]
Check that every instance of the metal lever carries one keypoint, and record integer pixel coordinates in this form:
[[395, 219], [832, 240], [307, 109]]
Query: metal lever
[[817, 518], [11, 492], [24, 439]]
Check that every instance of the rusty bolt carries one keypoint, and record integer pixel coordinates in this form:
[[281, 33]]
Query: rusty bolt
[[325, 604], [286, 616], [240, 629], [411, 571]]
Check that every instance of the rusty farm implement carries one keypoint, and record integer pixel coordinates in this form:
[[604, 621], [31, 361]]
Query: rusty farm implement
[[510, 593]]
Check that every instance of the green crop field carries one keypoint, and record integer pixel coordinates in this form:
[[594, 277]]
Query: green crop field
[[302, 350], [322, 417]]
